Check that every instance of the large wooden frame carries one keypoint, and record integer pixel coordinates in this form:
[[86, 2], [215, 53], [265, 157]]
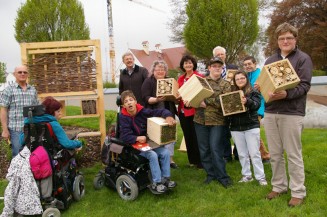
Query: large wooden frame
[[33, 54]]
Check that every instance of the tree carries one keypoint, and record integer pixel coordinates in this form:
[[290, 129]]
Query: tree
[[310, 17], [177, 23], [49, 20], [3, 69], [231, 24]]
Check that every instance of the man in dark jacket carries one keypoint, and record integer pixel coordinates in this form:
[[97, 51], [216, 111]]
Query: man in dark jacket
[[132, 77], [221, 53], [133, 129], [283, 120]]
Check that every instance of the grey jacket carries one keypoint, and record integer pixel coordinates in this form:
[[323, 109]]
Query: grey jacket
[[295, 101]]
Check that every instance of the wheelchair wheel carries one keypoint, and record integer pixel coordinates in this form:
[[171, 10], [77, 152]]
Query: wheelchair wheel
[[127, 187], [98, 181], [51, 212], [78, 188]]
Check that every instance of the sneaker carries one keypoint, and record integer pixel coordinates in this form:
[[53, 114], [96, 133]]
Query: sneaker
[[173, 165], [168, 183], [263, 182], [246, 179], [158, 188]]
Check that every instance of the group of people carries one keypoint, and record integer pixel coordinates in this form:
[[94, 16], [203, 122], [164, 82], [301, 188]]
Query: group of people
[[206, 131]]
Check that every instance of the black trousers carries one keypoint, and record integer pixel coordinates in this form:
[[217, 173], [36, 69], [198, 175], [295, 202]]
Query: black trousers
[[191, 143]]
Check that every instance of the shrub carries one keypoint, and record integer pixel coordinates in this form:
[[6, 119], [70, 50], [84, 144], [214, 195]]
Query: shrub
[[319, 73], [109, 85]]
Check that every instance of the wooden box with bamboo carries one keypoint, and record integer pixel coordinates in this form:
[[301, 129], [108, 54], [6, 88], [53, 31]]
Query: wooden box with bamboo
[[167, 87], [159, 131], [195, 90], [277, 76], [231, 103]]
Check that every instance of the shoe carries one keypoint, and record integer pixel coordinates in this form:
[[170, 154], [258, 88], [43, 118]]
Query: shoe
[[173, 165], [208, 180], [295, 202], [226, 184], [158, 188], [263, 182], [168, 183], [266, 161], [246, 179], [274, 194]]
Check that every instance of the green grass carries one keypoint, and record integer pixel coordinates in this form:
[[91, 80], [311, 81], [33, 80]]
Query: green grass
[[192, 198]]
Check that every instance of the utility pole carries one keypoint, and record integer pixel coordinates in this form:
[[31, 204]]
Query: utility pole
[[111, 44]]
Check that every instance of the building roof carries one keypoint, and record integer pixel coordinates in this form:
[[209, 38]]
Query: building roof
[[171, 56]]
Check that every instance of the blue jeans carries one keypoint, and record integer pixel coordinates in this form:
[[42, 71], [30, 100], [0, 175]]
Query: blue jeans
[[212, 151], [154, 156], [15, 142]]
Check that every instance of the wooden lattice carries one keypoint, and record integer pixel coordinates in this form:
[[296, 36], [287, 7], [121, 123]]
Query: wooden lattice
[[63, 72]]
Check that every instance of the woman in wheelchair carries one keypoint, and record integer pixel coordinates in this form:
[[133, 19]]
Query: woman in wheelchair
[[133, 128]]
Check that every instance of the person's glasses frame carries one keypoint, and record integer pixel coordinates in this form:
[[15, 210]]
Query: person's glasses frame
[[286, 38], [241, 78], [22, 72]]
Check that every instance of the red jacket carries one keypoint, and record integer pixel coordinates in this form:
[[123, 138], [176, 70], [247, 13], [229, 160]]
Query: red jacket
[[188, 111]]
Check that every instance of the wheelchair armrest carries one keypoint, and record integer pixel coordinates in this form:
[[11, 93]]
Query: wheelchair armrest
[[117, 141]]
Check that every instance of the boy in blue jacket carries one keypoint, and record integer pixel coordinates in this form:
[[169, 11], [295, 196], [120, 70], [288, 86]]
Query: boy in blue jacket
[[133, 128]]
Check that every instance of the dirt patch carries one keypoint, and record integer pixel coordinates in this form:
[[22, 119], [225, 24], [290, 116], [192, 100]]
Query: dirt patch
[[89, 156]]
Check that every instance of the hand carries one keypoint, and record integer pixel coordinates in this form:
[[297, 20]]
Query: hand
[[186, 103], [257, 86], [161, 98], [5, 134], [171, 121], [277, 96], [243, 100], [203, 104], [78, 149], [141, 139]]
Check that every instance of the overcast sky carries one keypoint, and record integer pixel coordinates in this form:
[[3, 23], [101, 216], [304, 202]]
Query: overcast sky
[[133, 23]]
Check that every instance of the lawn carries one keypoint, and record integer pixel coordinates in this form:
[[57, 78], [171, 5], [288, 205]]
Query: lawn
[[192, 198]]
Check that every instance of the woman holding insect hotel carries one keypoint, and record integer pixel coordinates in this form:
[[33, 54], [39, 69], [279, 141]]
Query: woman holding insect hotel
[[245, 130]]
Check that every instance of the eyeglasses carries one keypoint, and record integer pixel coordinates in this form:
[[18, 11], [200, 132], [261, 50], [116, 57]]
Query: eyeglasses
[[286, 38], [22, 72], [239, 79]]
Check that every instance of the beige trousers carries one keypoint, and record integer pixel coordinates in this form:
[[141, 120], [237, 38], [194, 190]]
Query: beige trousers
[[283, 133]]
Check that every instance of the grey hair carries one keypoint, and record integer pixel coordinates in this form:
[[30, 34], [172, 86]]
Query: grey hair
[[158, 62], [127, 54], [218, 48]]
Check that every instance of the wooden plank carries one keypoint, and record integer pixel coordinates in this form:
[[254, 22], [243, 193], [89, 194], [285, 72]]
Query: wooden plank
[[60, 50], [57, 44], [82, 116], [89, 134], [66, 94], [231, 103]]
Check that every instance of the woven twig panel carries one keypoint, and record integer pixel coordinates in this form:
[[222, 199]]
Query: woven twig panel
[[63, 72]]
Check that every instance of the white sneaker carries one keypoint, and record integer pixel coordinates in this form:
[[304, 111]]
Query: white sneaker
[[246, 179], [263, 182]]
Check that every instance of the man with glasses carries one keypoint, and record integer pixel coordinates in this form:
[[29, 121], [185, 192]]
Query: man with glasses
[[283, 120], [221, 53], [12, 101]]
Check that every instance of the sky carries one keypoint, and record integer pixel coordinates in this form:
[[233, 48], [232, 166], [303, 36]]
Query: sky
[[133, 23]]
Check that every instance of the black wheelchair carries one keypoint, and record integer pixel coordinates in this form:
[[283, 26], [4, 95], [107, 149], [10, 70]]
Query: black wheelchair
[[125, 170], [67, 181]]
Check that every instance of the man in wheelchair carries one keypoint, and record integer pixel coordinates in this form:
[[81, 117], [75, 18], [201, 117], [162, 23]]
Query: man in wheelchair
[[133, 129]]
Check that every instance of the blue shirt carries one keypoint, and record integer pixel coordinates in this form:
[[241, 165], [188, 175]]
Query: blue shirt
[[253, 76]]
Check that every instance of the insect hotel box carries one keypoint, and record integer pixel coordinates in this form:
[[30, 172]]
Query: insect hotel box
[[195, 90], [231, 103], [277, 76], [167, 87], [159, 131], [230, 75]]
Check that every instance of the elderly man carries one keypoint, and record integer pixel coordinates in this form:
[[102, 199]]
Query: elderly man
[[12, 101], [221, 53], [132, 77]]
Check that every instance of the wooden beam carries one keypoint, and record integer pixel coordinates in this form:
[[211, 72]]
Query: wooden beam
[[81, 116], [60, 50], [65, 94]]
